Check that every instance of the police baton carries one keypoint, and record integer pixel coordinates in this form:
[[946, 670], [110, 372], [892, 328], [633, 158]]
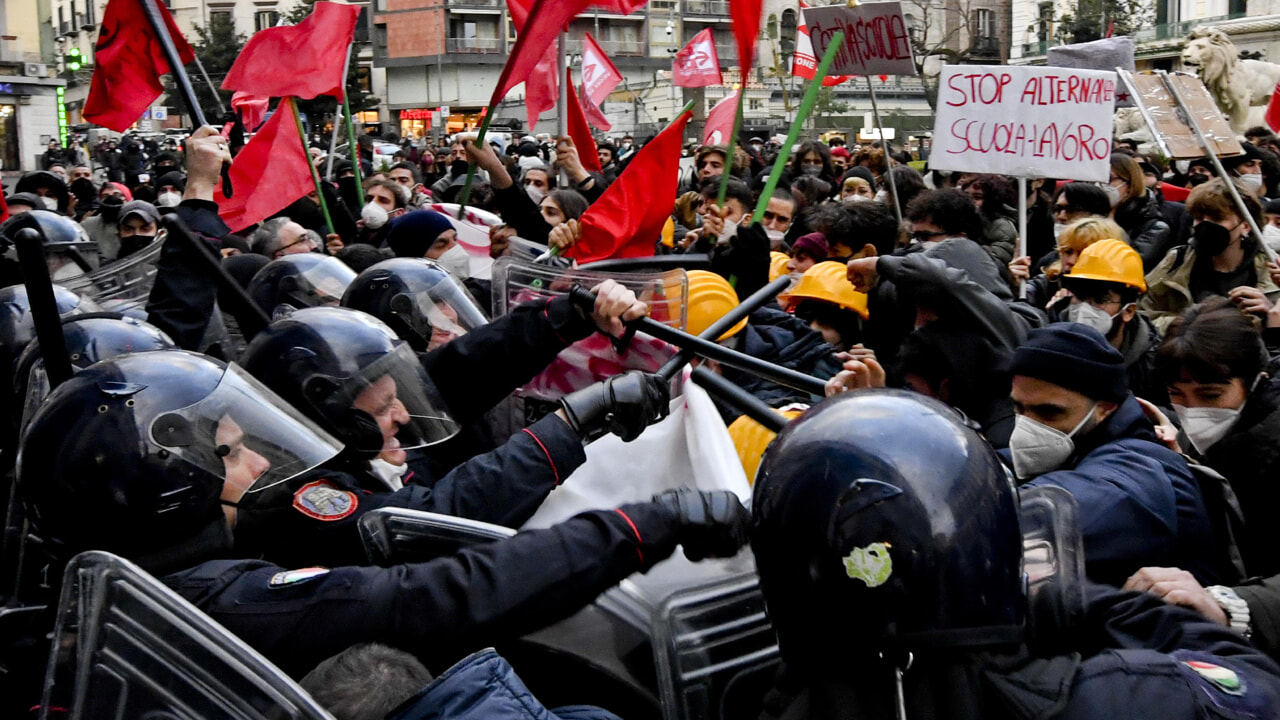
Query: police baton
[[252, 319], [44, 309], [586, 301], [727, 321]]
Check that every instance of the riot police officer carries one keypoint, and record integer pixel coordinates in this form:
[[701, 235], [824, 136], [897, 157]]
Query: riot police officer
[[300, 280], [348, 372], [186, 441], [888, 541]]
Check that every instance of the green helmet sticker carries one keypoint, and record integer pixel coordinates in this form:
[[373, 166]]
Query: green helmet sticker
[[871, 564]]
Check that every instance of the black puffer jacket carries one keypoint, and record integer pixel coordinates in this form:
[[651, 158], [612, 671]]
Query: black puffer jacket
[[1143, 219]]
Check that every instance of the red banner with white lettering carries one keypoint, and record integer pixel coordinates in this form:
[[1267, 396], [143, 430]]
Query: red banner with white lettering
[[599, 78], [697, 64]]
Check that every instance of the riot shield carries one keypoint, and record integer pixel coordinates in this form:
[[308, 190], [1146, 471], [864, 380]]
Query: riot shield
[[125, 647], [395, 535], [123, 285]]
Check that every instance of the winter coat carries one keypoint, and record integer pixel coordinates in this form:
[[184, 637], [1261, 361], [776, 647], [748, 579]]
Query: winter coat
[[1169, 286], [1000, 239], [1141, 218]]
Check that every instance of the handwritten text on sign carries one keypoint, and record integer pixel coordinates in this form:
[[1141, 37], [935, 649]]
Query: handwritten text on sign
[[1027, 121], [876, 41]]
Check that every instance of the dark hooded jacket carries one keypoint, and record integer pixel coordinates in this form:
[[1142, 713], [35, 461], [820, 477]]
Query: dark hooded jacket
[[1143, 220]]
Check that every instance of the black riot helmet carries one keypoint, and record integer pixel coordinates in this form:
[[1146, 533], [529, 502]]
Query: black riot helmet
[[883, 524], [89, 338], [350, 373], [131, 456], [425, 305], [56, 231], [300, 280]]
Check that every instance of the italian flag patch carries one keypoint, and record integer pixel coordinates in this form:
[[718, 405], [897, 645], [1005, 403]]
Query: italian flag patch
[[1222, 678]]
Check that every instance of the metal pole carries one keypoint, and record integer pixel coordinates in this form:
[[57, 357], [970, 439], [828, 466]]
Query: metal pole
[[893, 189], [217, 97], [306, 155], [337, 125], [1217, 164], [175, 62], [1022, 228], [562, 109]]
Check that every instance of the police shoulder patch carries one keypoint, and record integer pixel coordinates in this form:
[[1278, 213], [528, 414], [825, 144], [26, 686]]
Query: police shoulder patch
[[322, 501], [293, 577]]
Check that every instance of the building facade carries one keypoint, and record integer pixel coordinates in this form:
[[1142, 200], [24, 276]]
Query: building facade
[[30, 91]]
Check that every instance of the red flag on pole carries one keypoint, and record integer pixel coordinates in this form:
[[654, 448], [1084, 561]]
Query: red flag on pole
[[1273, 110], [269, 173], [128, 64], [579, 131], [599, 78], [627, 220], [746, 26], [719, 125], [541, 91], [252, 109], [804, 63], [304, 60], [697, 64]]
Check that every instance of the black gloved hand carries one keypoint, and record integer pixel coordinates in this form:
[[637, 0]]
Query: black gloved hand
[[624, 405], [713, 524]]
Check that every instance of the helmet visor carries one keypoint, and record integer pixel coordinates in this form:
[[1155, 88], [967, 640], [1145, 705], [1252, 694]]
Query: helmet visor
[[244, 433], [324, 283], [439, 313], [401, 398]]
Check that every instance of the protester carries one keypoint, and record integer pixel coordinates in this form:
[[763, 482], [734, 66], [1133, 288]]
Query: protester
[[1139, 213]]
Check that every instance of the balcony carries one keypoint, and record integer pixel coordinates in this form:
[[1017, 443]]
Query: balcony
[[985, 47], [473, 45], [719, 8], [1154, 33], [476, 3], [612, 48]]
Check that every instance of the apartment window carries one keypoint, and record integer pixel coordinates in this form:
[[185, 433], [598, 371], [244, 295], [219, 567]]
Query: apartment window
[[984, 23], [755, 104], [1045, 30], [62, 21], [90, 13], [219, 17], [264, 19]]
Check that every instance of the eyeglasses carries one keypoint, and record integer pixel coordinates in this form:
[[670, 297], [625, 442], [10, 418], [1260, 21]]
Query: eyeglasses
[[1063, 209], [923, 236], [304, 238]]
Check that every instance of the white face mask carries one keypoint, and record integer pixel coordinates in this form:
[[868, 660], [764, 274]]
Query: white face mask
[[1205, 426], [536, 194], [1253, 181], [456, 261], [168, 199], [729, 232], [1086, 314], [1037, 448], [1057, 230], [374, 216], [777, 236], [882, 196], [854, 197], [1113, 194], [1271, 234], [49, 203]]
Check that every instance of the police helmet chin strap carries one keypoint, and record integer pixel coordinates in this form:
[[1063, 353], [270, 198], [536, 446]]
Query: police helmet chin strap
[[901, 664]]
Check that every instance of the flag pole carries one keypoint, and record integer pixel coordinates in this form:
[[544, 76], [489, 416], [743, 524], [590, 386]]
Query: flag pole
[[352, 148], [1022, 230], [337, 120], [806, 106], [562, 64], [888, 159], [731, 146], [222, 109], [306, 154], [465, 195]]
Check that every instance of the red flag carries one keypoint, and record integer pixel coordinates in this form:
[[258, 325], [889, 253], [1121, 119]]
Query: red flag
[[719, 125], [746, 26], [599, 78], [697, 64], [542, 25], [1273, 110], [4, 206], [804, 63], [128, 64], [578, 130], [627, 220], [269, 173], [252, 109], [541, 91], [304, 60]]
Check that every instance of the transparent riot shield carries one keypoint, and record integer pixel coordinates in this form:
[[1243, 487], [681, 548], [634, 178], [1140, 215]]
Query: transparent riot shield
[[394, 535], [1052, 555], [127, 647], [517, 281], [123, 285]]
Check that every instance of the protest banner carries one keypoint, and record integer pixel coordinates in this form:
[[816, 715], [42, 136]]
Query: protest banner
[[1175, 136], [875, 35], [1025, 121]]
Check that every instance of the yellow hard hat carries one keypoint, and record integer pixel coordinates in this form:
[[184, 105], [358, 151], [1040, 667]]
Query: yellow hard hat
[[750, 438], [829, 282], [1110, 261], [710, 297], [668, 233], [777, 265]]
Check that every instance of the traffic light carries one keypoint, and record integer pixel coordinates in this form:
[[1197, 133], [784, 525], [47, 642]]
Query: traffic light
[[74, 59]]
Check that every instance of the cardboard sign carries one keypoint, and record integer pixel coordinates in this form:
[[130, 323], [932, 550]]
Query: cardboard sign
[[1158, 104], [1024, 121], [876, 41]]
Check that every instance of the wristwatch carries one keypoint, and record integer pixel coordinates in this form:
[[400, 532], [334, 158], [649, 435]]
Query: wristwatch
[[1237, 609]]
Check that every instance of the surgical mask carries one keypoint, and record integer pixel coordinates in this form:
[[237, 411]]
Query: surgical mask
[[1037, 448], [854, 197], [1271, 234], [536, 194], [811, 170], [729, 232], [1182, 166], [1113, 194], [777, 236], [1086, 314], [168, 199], [882, 196], [49, 203], [374, 215], [1205, 426], [1057, 230], [1210, 238], [1252, 181], [456, 261]]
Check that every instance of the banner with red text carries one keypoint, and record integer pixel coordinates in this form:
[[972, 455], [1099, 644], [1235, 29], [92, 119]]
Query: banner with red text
[[876, 41], [1024, 121]]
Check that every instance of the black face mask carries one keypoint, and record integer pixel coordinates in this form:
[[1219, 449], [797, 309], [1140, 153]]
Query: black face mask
[[1197, 179], [110, 208], [1210, 238], [84, 190], [458, 167]]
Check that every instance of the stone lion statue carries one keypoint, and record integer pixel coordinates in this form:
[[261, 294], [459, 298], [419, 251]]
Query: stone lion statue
[[1238, 86]]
